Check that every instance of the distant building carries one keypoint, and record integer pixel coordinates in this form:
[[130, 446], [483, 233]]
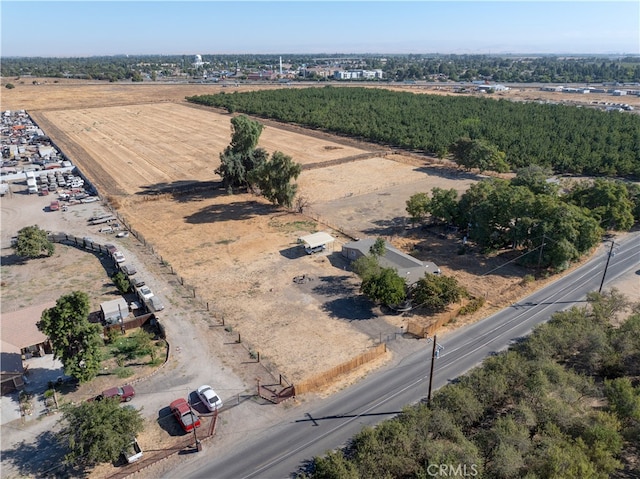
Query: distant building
[[492, 87], [357, 74]]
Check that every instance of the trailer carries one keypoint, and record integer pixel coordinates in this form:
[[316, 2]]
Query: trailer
[[101, 221]]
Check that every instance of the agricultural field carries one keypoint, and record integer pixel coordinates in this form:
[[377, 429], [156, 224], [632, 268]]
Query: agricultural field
[[153, 156]]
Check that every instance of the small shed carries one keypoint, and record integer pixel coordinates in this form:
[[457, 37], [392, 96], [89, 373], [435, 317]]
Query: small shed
[[114, 311], [316, 240]]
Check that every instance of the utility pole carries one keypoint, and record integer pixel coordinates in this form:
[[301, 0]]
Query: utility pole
[[433, 359], [606, 266], [540, 255], [193, 417]]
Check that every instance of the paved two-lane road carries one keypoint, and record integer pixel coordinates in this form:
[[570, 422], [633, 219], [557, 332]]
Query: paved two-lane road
[[280, 450]]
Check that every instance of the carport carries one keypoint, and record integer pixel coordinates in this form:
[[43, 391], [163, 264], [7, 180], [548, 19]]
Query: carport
[[316, 240]]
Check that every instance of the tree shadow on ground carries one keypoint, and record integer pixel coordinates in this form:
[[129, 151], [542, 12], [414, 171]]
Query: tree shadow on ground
[[335, 286], [43, 457], [448, 173], [185, 190], [352, 308], [236, 211], [12, 259], [387, 227]]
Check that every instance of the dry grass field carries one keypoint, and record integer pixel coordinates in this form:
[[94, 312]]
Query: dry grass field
[[238, 251]]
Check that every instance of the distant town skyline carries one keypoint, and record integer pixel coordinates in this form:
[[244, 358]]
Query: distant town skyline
[[88, 28]]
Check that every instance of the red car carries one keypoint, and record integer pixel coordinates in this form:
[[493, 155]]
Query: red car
[[125, 393], [185, 416]]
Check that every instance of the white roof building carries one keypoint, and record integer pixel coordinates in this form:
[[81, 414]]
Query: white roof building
[[316, 239]]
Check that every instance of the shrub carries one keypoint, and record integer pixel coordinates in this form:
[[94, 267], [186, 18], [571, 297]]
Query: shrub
[[472, 306], [123, 372], [529, 278], [9, 86], [121, 282]]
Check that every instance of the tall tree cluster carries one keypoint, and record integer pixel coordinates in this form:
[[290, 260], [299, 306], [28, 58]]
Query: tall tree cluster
[[527, 412], [482, 132], [244, 165], [529, 214]]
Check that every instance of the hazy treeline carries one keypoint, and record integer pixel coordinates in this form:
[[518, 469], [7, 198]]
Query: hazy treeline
[[567, 139], [430, 67]]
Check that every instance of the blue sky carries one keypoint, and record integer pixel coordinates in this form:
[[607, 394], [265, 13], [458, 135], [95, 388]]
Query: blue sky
[[88, 28]]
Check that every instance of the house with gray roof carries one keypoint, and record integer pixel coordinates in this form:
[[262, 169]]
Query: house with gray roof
[[408, 267]]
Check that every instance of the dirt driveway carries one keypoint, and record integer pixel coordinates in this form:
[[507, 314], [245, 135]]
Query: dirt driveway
[[198, 353]]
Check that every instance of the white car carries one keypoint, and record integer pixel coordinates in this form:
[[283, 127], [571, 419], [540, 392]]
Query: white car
[[209, 398], [118, 257], [146, 292]]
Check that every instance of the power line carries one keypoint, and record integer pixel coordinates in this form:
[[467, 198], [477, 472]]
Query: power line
[[514, 259]]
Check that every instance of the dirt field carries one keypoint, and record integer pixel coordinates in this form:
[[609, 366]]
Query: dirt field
[[239, 252]]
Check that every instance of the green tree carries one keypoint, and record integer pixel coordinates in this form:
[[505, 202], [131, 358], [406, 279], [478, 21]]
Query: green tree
[[241, 156], [144, 343], [535, 178], [379, 248], [274, 178], [417, 207], [461, 402], [75, 341], [98, 431], [479, 154], [626, 344], [121, 281], [437, 291], [366, 266], [444, 205], [609, 202], [245, 134], [386, 287], [33, 242], [624, 399], [334, 466]]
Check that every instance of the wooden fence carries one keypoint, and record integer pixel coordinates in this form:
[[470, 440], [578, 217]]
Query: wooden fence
[[132, 323], [323, 379], [429, 329]]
